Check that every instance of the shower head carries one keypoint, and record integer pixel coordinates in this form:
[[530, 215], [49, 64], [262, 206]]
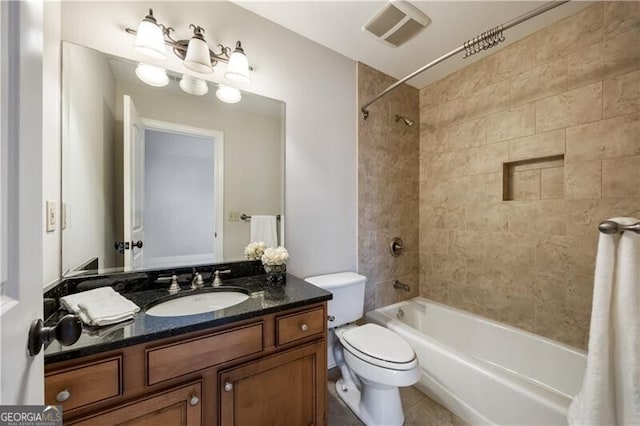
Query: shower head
[[405, 120]]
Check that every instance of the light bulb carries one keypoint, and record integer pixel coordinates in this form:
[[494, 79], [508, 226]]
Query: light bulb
[[228, 94], [193, 86], [152, 75]]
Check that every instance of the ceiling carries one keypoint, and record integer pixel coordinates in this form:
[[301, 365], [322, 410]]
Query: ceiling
[[338, 26]]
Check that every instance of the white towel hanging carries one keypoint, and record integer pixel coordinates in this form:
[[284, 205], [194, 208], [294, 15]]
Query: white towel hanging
[[264, 228], [610, 393]]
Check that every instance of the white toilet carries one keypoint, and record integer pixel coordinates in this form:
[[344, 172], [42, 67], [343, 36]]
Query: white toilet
[[373, 360]]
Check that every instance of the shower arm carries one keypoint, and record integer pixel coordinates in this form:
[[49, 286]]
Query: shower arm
[[465, 47]]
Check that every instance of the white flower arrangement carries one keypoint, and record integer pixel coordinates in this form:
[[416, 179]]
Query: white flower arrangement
[[255, 250], [275, 256]]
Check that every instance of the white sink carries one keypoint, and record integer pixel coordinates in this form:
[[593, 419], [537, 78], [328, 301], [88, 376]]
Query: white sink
[[197, 304]]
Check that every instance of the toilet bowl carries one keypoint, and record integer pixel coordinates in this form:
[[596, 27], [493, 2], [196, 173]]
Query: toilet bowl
[[373, 360], [377, 363]]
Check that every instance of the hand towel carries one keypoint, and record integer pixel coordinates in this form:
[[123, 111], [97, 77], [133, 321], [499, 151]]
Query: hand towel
[[102, 306], [264, 228], [610, 393]]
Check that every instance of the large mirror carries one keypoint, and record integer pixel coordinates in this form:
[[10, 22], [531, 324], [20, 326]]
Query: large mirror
[[156, 177]]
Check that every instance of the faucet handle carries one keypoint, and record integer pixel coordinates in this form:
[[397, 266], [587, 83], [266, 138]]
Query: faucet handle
[[217, 281]]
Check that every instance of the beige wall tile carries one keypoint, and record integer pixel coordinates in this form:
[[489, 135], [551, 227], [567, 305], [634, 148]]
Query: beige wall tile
[[576, 106], [512, 123], [539, 82], [487, 158], [487, 217], [617, 137], [537, 146], [552, 183], [466, 135], [620, 17], [524, 185], [511, 61], [585, 215], [570, 34], [610, 58], [583, 180], [621, 177], [621, 95]]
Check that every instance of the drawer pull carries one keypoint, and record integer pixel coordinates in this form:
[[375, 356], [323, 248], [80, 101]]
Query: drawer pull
[[228, 387], [62, 396], [304, 327], [194, 401]]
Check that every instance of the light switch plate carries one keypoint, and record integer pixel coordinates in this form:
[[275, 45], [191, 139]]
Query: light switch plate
[[51, 216], [234, 216]]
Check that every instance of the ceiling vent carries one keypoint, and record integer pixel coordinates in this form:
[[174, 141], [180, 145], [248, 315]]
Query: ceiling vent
[[396, 23]]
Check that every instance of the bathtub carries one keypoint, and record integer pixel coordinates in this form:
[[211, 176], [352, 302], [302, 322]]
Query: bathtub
[[484, 371]]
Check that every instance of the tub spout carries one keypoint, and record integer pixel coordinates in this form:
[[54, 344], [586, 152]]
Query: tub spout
[[401, 286]]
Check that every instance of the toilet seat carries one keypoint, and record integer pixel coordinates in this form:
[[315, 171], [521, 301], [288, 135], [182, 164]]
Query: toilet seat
[[379, 346]]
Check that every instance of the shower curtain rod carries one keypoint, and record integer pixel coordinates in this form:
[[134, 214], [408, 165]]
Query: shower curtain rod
[[470, 47]]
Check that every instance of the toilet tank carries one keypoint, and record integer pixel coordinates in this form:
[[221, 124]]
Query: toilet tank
[[348, 295]]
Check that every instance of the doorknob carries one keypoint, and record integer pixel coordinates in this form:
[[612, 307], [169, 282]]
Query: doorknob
[[121, 246], [67, 331], [137, 244]]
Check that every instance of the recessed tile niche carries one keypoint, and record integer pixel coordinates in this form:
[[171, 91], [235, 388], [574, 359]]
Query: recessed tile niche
[[534, 179]]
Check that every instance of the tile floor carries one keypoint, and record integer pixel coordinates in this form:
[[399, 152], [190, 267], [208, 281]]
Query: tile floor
[[419, 409]]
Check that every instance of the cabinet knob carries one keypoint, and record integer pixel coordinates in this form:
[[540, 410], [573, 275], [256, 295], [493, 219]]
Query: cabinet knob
[[304, 327], [194, 401], [228, 387], [62, 396]]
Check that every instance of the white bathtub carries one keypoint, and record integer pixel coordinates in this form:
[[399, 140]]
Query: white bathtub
[[484, 371]]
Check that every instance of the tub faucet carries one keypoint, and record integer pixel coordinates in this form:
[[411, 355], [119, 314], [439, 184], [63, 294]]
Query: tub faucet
[[401, 286]]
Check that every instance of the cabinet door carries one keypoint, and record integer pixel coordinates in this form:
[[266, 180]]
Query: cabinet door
[[284, 389], [178, 406]]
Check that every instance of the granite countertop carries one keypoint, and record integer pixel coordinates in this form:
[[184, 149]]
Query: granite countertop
[[263, 299]]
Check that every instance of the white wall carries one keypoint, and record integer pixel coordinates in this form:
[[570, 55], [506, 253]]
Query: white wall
[[89, 130], [252, 151], [51, 63], [319, 88]]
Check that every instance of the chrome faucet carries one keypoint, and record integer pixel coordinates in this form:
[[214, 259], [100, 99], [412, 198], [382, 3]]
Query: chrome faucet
[[197, 281], [401, 286]]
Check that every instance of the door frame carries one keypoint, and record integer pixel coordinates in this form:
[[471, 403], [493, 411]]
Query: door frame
[[218, 147]]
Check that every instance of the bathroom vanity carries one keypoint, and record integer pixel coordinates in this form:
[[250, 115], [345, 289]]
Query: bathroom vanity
[[262, 361]]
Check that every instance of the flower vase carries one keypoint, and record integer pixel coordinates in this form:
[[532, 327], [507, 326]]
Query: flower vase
[[275, 273]]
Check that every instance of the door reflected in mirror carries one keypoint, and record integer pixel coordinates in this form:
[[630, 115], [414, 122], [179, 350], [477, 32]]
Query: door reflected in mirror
[[155, 177]]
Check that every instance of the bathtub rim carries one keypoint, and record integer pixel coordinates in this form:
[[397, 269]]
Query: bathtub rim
[[382, 311]]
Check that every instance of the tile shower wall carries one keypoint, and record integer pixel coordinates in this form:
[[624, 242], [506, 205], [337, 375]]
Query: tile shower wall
[[562, 109], [387, 189]]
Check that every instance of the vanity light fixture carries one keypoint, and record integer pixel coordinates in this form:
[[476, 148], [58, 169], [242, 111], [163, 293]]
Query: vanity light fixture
[[152, 75], [228, 94], [150, 38], [193, 85], [195, 52]]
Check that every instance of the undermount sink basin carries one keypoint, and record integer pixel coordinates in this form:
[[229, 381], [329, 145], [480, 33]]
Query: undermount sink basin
[[196, 304]]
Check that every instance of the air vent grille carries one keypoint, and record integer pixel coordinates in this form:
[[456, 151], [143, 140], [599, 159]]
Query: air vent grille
[[396, 23]]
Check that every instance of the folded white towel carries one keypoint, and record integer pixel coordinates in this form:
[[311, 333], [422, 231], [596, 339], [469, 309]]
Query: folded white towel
[[264, 228], [101, 306], [610, 393]]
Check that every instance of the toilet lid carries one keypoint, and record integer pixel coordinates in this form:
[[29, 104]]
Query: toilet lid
[[379, 343]]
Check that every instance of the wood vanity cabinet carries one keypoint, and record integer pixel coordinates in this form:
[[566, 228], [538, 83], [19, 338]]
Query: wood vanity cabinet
[[269, 370]]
